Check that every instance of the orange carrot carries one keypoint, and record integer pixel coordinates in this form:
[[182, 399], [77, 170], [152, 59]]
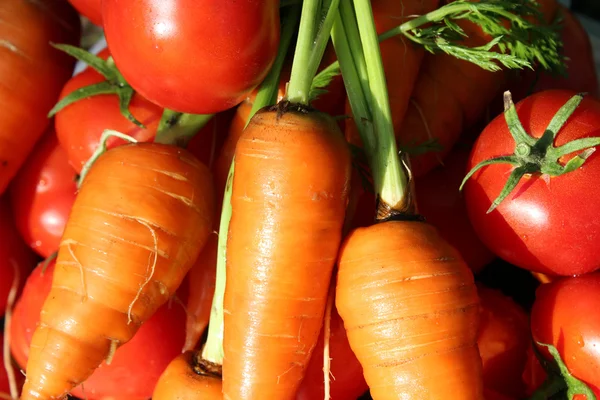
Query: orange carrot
[[32, 73], [187, 379], [201, 280], [142, 216], [290, 189], [410, 308]]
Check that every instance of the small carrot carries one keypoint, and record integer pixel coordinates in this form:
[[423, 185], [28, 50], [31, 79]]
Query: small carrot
[[32, 74], [126, 248], [187, 379], [201, 280], [408, 301], [290, 190]]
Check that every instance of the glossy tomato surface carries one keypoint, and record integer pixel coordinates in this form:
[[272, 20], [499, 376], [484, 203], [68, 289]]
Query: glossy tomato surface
[[80, 125], [565, 314], [136, 365], [194, 56], [42, 195], [443, 205], [547, 225], [16, 258]]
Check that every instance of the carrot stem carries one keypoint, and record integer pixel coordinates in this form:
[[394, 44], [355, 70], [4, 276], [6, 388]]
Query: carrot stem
[[267, 92], [313, 35], [389, 178], [178, 128], [213, 349]]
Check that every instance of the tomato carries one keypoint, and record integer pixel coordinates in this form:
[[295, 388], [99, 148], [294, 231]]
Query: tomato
[[15, 255], [42, 195], [80, 124], [534, 374], [503, 339], [4, 381], [546, 224], [565, 314], [441, 203], [347, 380], [136, 365], [91, 9], [32, 73], [193, 56]]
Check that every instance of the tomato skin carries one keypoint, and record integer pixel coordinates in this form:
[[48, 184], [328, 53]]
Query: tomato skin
[[442, 204], [14, 253], [32, 74], [197, 56], [42, 195], [80, 124], [92, 9], [565, 314], [136, 366], [347, 381], [544, 227], [503, 340]]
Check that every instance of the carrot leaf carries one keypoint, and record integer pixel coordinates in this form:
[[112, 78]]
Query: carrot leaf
[[322, 80], [519, 35]]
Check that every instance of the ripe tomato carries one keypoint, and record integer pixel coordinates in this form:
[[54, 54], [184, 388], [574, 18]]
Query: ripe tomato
[[441, 203], [80, 124], [4, 382], [565, 314], [544, 225], [15, 256], [92, 9], [193, 56], [32, 73], [503, 339], [347, 380], [136, 365], [42, 195]]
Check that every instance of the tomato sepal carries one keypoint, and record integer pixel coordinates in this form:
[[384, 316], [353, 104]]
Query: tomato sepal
[[115, 83], [559, 379], [538, 156]]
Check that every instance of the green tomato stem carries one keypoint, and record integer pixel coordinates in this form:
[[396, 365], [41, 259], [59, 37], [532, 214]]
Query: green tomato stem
[[213, 349], [390, 179]]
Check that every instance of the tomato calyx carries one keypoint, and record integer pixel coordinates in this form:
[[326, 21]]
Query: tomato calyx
[[538, 156], [559, 380], [115, 83]]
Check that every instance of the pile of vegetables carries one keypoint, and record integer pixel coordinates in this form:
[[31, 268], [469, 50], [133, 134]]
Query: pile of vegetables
[[298, 199]]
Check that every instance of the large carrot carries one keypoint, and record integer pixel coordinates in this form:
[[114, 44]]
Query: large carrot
[[142, 216], [32, 74], [407, 299], [290, 189]]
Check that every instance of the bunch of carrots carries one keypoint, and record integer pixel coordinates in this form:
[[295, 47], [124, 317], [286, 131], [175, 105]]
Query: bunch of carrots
[[284, 223]]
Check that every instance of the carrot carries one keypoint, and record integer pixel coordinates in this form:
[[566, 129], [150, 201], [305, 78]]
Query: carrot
[[186, 379], [32, 74], [142, 215], [201, 280], [289, 195]]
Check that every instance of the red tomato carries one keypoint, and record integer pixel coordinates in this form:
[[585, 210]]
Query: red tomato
[[347, 381], [565, 314], [193, 56], [4, 382], [441, 203], [136, 365], [534, 374], [42, 195], [92, 9], [503, 340], [80, 125], [15, 256], [544, 225]]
